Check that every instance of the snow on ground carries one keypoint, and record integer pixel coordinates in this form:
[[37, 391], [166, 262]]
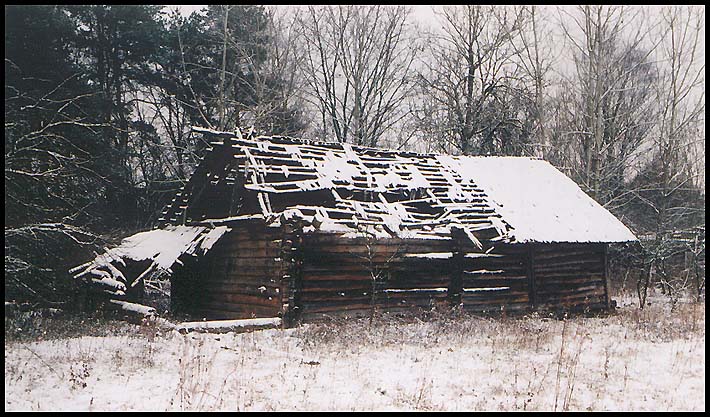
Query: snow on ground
[[636, 360]]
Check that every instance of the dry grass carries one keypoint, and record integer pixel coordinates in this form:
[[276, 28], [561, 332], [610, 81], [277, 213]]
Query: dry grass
[[651, 359]]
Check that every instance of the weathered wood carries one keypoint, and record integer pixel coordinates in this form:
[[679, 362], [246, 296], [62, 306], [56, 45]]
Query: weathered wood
[[607, 290], [228, 326], [315, 274], [261, 292], [455, 287], [532, 284], [243, 299], [292, 261], [219, 311]]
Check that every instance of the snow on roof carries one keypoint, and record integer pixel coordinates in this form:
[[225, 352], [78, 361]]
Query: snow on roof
[[162, 247], [396, 193], [539, 202]]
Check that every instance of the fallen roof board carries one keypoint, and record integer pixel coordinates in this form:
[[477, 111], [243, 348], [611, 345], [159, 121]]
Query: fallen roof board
[[162, 247]]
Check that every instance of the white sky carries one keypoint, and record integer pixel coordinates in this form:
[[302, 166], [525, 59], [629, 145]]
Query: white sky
[[560, 49]]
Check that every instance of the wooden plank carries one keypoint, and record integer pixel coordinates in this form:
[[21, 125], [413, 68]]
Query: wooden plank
[[590, 269], [273, 290], [569, 265], [311, 298], [572, 275], [241, 299], [257, 309], [491, 308], [500, 301]]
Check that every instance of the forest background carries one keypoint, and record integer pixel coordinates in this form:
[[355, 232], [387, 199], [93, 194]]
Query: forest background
[[100, 101]]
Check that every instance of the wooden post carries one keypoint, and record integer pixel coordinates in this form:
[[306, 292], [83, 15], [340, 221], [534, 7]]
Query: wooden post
[[530, 269], [292, 259], [606, 276], [455, 290]]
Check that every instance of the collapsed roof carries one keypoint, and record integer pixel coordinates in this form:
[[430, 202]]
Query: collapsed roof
[[154, 252], [337, 187], [351, 190]]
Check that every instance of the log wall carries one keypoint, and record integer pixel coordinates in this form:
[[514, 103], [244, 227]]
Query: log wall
[[337, 274], [570, 275], [256, 271], [496, 283], [240, 277]]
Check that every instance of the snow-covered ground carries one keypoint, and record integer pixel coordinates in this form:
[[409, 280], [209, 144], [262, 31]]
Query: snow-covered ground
[[635, 360]]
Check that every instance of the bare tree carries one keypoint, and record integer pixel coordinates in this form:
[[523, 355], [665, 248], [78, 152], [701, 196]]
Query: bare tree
[[377, 262], [279, 82], [358, 67], [608, 103], [535, 58], [474, 95], [670, 191]]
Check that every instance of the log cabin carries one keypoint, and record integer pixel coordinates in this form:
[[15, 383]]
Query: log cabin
[[272, 226]]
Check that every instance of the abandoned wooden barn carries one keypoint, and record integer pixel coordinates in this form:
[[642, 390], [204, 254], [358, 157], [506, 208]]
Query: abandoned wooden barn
[[274, 226]]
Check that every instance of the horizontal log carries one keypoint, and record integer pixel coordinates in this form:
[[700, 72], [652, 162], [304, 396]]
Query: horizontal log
[[501, 277], [250, 227], [328, 239], [554, 256], [331, 285], [411, 303], [238, 269], [331, 306], [312, 268], [547, 294], [513, 301], [589, 269], [250, 275], [570, 301], [273, 290], [551, 285], [257, 310], [581, 263], [260, 247], [268, 253], [570, 247], [514, 286], [567, 287], [423, 281], [493, 263], [354, 248], [497, 308], [590, 305], [349, 298], [211, 314], [229, 326], [377, 258], [495, 294], [333, 276], [591, 275], [241, 299]]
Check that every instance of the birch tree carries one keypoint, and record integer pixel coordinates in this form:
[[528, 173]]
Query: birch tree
[[608, 102]]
